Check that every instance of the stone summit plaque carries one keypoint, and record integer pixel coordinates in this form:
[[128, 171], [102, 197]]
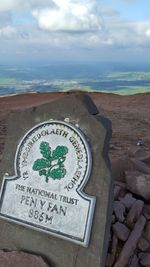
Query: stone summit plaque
[[52, 164], [56, 187]]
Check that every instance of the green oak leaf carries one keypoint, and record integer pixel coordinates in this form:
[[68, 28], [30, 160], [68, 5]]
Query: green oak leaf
[[57, 173], [42, 172], [59, 152], [51, 165], [45, 150], [40, 164]]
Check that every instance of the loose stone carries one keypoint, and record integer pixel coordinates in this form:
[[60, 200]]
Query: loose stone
[[138, 183], [146, 211], [119, 210], [128, 200], [143, 244], [145, 260], [121, 231], [147, 231], [113, 251], [117, 189], [130, 245], [134, 212], [134, 261]]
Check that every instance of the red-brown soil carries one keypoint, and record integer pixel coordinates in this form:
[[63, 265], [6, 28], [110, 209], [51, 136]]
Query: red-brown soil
[[130, 115]]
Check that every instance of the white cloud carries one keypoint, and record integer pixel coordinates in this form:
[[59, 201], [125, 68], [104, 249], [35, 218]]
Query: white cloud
[[77, 27], [7, 5], [69, 15], [7, 31], [59, 15], [5, 19], [147, 32], [10, 5]]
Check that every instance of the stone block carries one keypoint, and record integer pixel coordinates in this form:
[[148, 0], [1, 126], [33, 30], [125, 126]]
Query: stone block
[[80, 113]]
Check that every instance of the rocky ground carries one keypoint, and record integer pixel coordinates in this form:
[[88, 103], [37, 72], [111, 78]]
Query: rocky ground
[[129, 244]]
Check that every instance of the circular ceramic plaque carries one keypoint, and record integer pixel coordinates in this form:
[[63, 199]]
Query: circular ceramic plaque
[[54, 152]]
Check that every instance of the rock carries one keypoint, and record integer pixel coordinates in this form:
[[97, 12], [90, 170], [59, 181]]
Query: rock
[[20, 259], [130, 245], [113, 252], [64, 253], [128, 200], [113, 219], [147, 160], [146, 211], [138, 183], [119, 210], [122, 193], [119, 166], [147, 231], [117, 189], [145, 260], [143, 244], [128, 162], [142, 154], [134, 261], [134, 212], [140, 255], [140, 166], [121, 184], [121, 231], [107, 260]]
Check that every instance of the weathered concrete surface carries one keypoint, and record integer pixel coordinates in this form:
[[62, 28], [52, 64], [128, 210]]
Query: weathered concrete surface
[[60, 253]]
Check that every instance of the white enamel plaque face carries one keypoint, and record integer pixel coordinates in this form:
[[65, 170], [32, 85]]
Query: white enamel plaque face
[[52, 165]]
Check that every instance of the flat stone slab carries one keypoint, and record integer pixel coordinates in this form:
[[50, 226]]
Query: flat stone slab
[[21, 259], [55, 168]]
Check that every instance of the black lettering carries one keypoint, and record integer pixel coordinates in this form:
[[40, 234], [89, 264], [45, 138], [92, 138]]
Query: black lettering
[[48, 219], [54, 209], [63, 210], [49, 206], [42, 203], [33, 202], [30, 213], [65, 134], [36, 214], [22, 199], [41, 217]]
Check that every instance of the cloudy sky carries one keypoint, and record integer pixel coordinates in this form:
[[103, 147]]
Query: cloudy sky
[[74, 30]]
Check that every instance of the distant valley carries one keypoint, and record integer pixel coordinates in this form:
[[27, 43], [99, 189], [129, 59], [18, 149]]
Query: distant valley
[[95, 78]]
